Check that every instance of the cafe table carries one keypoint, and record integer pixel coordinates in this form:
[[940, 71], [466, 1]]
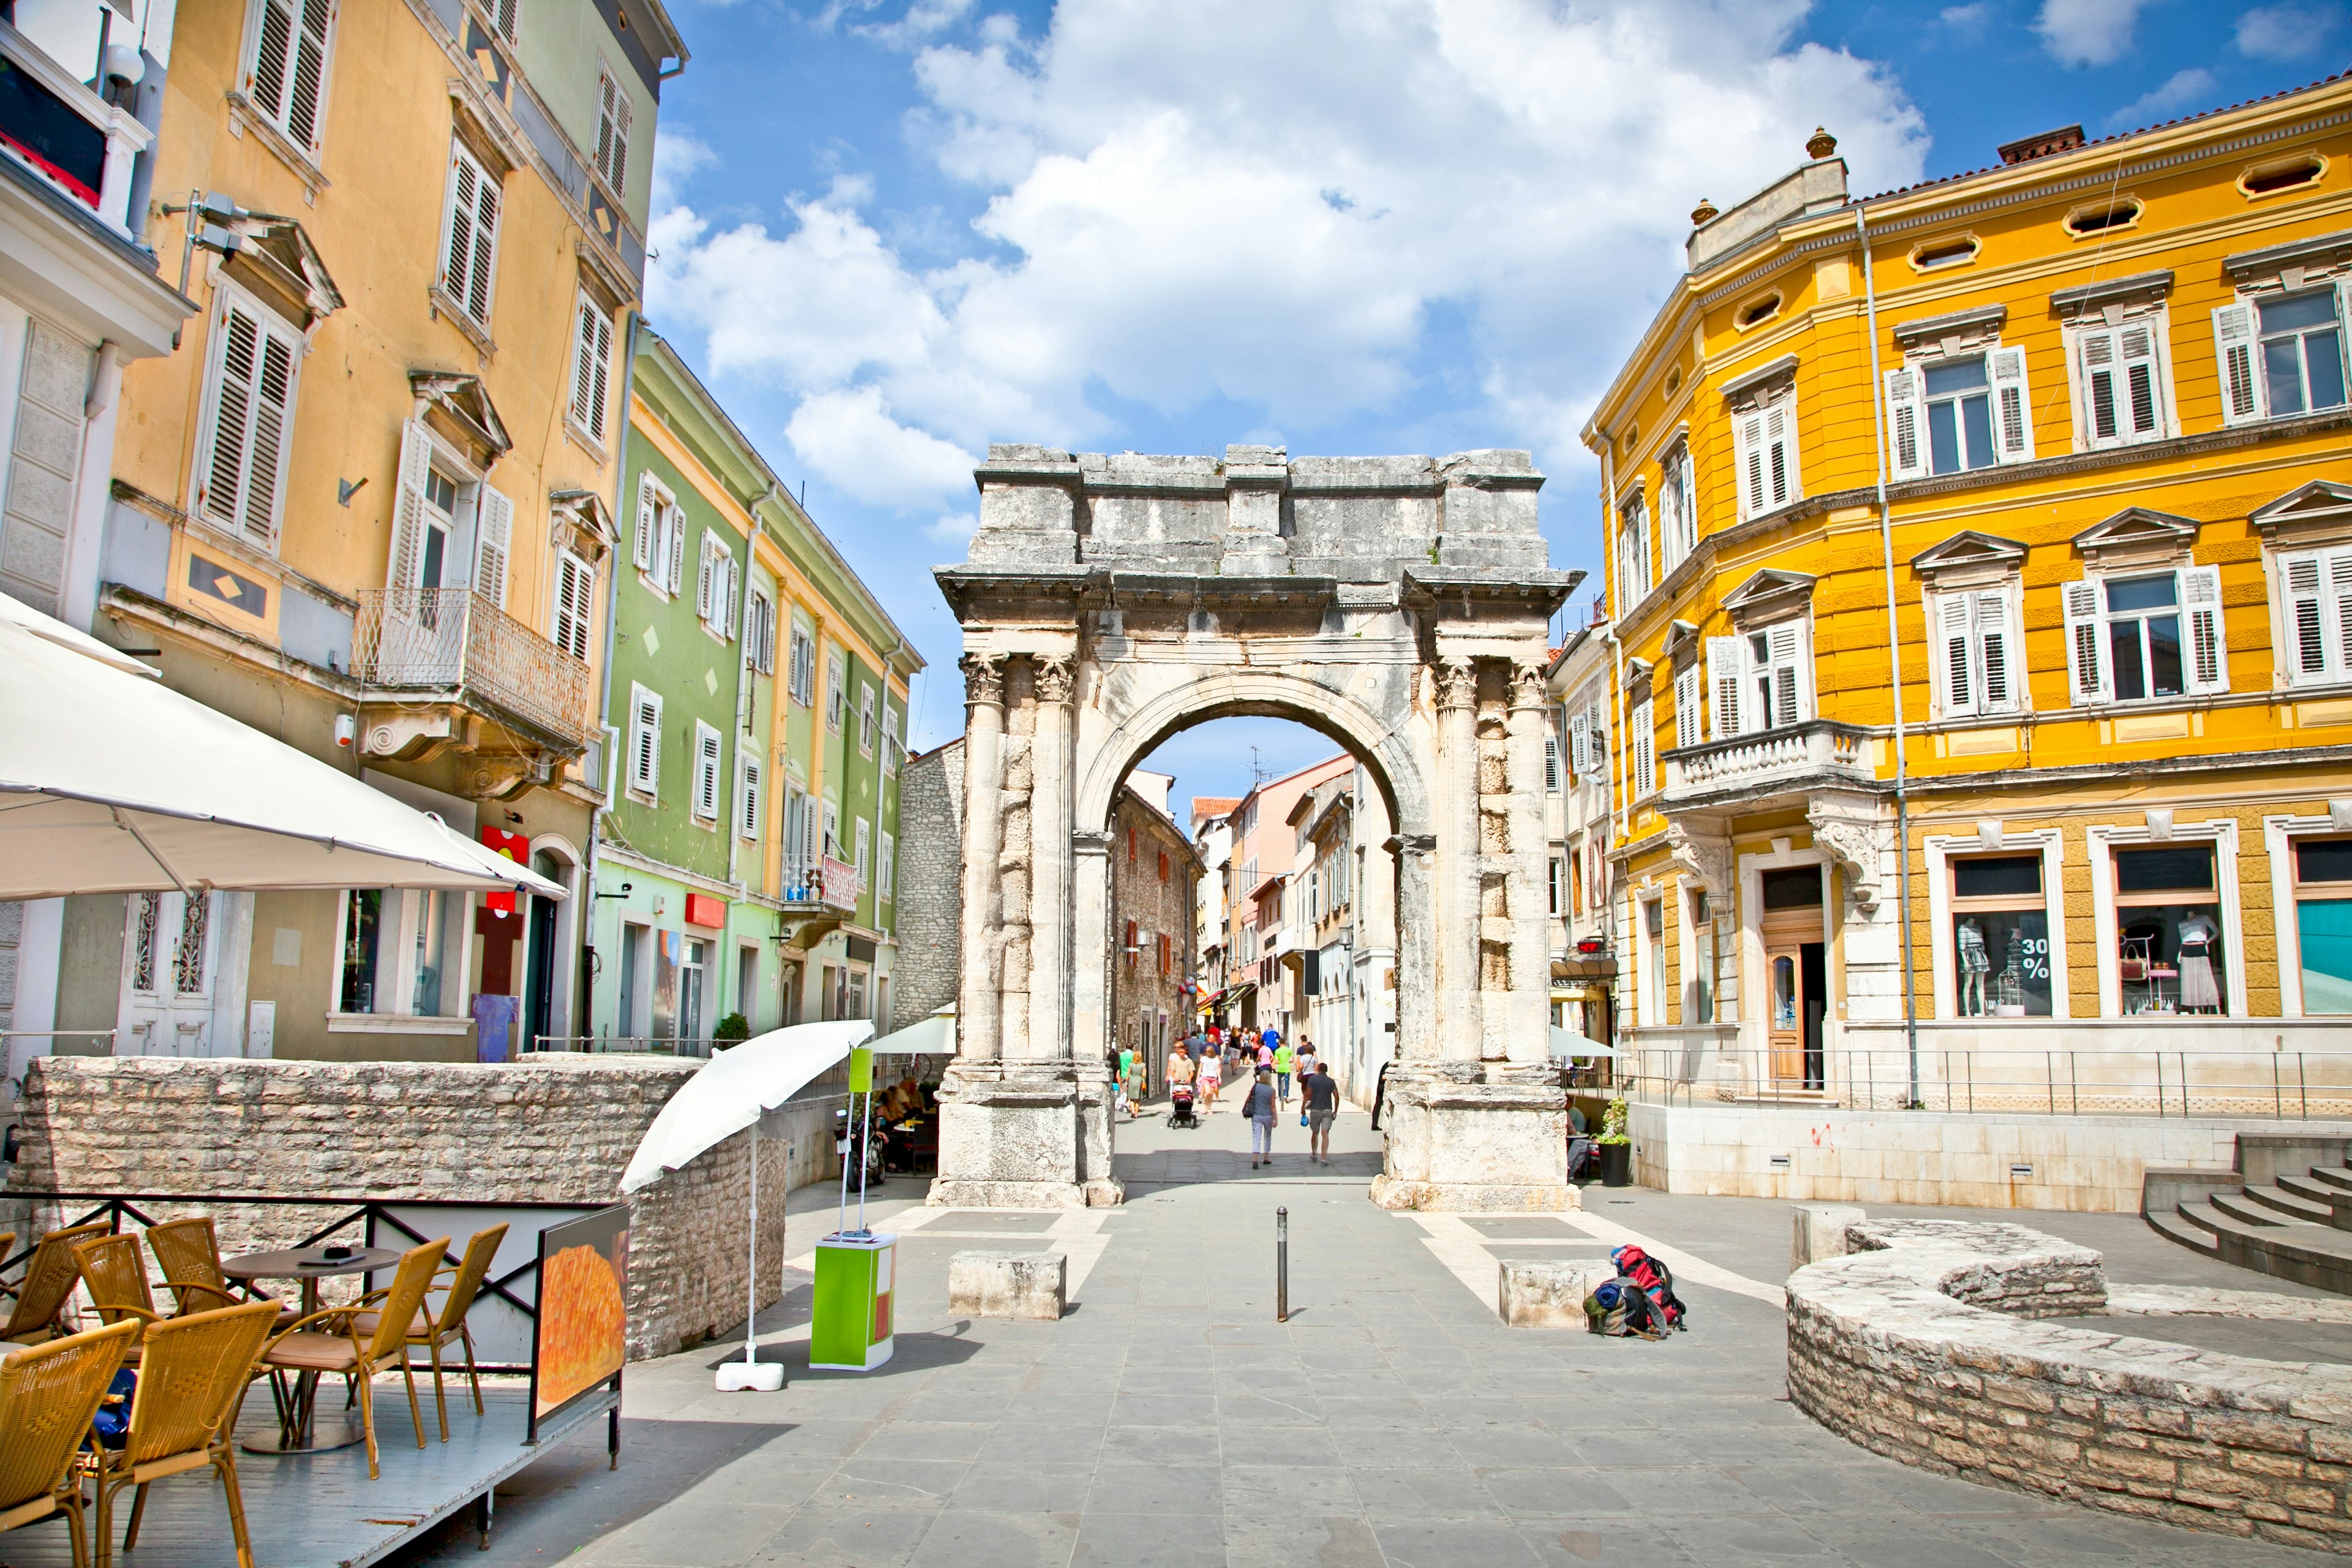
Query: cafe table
[[298, 1429]]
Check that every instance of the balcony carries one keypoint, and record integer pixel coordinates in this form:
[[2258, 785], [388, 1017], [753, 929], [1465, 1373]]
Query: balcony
[[452, 645], [74, 141], [1818, 751], [820, 884]]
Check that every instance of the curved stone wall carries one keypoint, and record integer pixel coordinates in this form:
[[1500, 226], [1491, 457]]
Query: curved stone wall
[[1921, 1344]]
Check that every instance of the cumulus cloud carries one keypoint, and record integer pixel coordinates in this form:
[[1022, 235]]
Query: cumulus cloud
[[2184, 90], [2087, 32], [1172, 219], [679, 156], [2286, 32]]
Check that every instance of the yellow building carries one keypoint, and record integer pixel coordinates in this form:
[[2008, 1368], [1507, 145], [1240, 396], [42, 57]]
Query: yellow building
[[2076, 428], [367, 506]]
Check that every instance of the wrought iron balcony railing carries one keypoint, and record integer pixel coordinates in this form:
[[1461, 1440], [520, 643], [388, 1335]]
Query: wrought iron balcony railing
[[454, 640]]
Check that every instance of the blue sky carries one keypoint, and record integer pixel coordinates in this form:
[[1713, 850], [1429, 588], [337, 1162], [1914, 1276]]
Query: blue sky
[[890, 231]]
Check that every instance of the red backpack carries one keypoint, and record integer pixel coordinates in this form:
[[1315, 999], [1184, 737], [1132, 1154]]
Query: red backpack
[[1652, 1276]]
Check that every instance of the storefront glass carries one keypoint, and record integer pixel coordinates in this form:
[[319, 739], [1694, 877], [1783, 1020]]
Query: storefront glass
[[2323, 913], [2001, 938], [2171, 950]]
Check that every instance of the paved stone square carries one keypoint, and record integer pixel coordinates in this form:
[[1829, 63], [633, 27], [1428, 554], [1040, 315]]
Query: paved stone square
[[1168, 1420]]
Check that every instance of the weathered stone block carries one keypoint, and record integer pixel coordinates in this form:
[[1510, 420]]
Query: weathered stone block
[[1008, 1284], [1548, 1295], [1817, 1231]]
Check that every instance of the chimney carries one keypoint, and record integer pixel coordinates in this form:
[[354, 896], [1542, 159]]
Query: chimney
[[2065, 138]]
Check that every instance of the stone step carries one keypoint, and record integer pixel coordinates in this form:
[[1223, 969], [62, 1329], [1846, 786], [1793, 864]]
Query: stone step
[[2246, 1209], [2173, 1228], [2308, 1187], [2288, 1249], [2294, 1206], [2335, 1178]]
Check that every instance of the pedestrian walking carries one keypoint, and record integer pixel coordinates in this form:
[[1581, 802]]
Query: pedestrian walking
[[1126, 1078], [1212, 1080], [1319, 1092], [1284, 1058], [1261, 1108], [1307, 1060]]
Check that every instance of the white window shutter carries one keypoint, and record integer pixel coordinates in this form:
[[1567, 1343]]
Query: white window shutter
[[2013, 406], [2141, 409], [1643, 749], [2209, 647], [1723, 672], [749, 822], [702, 577], [243, 484], [1906, 425], [705, 772], [575, 587], [493, 546], [732, 576], [1749, 457], [1580, 757], [1780, 456], [2241, 374], [644, 740], [1953, 614], [1688, 731], [2338, 662], [1792, 676], [648, 504], [469, 255], [1996, 671], [2097, 356], [408, 508], [289, 67], [2086, 650], [2308, 617], [673, 523]]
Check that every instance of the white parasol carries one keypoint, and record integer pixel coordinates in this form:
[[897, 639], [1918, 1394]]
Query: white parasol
[[1566, 1044]]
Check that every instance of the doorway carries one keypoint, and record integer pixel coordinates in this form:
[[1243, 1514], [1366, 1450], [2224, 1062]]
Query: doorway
[[171, 966], [1796, 966]]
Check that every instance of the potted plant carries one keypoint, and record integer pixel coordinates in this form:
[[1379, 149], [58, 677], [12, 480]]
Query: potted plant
[[1616, 1146], [731, 1029]]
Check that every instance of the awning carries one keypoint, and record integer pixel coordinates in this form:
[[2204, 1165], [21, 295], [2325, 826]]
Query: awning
[[1565, 1046], [112, 782]]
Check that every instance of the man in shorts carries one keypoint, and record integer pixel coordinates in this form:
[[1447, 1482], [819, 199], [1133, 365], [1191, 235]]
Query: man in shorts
[[1284, 1058], [1320, 1092]]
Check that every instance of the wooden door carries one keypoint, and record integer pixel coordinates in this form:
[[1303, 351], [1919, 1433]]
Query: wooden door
[[1784, 979]]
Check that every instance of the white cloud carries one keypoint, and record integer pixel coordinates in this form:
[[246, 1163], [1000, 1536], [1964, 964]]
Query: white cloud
[[1968, 21], [2184, 90], [2286, 32], [2087, 32], [1172, 219], [679, 156]]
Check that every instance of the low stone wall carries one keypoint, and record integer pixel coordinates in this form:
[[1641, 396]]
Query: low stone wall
[[1920, 1344], [2085, 1164], [552, 1130]]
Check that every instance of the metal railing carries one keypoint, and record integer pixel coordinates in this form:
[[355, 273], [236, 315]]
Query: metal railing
[[639, 1045], [1816, 746], [454, 639], [2280, 1085], [825, 883]]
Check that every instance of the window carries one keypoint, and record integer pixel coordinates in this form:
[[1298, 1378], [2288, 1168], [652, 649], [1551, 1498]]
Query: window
[[1766, 456], [249, 403], [832, 830], [469, 248], [493, 544], [1555, 886], [759, 632], [1164, 945], [705, 772], [1130, 844], [2169, 948], [575, 596], [2125, 637], [865, 856], [1645, 749], [362, 928], [801, 680], [2268, 179], [1587, 739], [612, 130], [2323, 915], [2279, 355], [2120, 386], [1761, 680], [886, 873], [1632, 554], [893, 748], [715, 586], [644, 740], [2001, 938], [660, 551], [1163, 865], [2103, 219], [1976, 658], [747, 813], [1939, 254], [1133, 945], [425, 512], [1950, 414], [837, 699], [1687, 700], [286, 77], [1756, 312], [506, 16], [1654, 946], [1678, 506], [1551, 762], [865, 719], [592, 361], [2318, 603]]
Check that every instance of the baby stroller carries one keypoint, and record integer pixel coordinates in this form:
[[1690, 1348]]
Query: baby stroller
[[1179, 1106]]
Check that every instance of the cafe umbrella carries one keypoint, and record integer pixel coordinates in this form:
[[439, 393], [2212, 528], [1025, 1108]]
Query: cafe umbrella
[[730, 1092]]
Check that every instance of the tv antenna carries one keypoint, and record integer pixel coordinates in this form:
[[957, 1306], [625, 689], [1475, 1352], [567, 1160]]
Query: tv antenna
[[1258, 773]]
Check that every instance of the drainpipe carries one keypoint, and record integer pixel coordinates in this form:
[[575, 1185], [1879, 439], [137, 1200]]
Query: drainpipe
[[1895, 663], [1617, 693], [604, 701]]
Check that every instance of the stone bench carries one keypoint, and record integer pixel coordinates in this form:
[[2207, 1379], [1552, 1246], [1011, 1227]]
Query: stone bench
[[1548, 1295], [1008, 1284]]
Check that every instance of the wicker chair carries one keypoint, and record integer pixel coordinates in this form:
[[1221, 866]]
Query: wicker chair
[[115, 1272], [48, 1393], [335, 1345], [433, 1329], [184, 1415], [48, 1282]]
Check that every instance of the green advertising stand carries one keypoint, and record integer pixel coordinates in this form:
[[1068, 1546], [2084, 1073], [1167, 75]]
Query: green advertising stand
[[856, 1270]]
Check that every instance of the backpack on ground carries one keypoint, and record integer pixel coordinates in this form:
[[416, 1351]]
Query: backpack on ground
[[1620, 1309], [1655, 1281]]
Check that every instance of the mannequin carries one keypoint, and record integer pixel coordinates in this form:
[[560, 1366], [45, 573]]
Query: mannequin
[[2198, 991], [1974, 964]]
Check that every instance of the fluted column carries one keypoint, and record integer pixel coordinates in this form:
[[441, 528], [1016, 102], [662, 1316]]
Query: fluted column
[[1530, 993], [1049, 880], [1459, 1023], [979, 1021], [1416, 948]]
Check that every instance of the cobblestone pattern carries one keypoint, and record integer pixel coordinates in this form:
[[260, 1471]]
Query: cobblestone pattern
[[1919, 1346], [930, 890], [560, 1132]]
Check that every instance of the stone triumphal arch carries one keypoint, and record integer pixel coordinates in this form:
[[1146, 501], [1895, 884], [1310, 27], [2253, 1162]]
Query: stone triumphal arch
[[1398, 605]]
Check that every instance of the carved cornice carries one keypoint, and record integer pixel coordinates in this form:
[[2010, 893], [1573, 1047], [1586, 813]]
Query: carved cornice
[[1850, 836], [983, 678], [1704, 857]]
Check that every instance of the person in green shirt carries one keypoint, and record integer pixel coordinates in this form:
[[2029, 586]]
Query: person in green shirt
[[1284, 1058], [1126, 1079]]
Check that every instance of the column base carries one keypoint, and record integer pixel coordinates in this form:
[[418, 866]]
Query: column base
[[1475, 1137], [1024, 1135]]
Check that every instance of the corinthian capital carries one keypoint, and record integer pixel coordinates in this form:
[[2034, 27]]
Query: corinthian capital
[[1457, 683], [983, 678], [1055, 678], [1528, 683]]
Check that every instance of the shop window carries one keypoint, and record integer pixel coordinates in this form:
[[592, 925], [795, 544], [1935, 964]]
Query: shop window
[[1794, 887], [2323, 918], [362, 923], [2171, 950], [2001, 938]]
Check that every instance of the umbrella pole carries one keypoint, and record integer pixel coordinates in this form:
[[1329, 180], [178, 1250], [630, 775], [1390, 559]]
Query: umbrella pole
[[751, 1262], [865, 1154], [841, 1219]]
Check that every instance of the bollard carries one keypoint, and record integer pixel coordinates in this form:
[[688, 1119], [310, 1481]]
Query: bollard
[[1282, 1265]]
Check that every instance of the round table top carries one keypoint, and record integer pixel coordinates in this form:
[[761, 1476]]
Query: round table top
[[307, 1263]]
